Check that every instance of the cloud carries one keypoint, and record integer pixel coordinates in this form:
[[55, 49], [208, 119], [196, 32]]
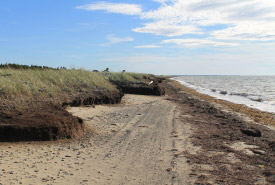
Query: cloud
[[167, 29], [129, 9], [115, 40], [149, 46], [248, 20], [249, 30], [197, 42], [245, 20]]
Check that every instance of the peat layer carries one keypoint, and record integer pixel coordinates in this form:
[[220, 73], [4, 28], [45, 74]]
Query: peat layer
[[49, 120], [220, 134], [148, 87]]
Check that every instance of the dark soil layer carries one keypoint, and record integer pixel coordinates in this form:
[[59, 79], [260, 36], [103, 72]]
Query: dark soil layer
[[96, 98], [215, 131], [142, 88], [44, 121]]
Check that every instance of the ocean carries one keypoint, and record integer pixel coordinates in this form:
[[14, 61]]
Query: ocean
[[254, 91]]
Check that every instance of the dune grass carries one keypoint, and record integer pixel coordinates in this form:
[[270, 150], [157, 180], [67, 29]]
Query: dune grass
[[126, 77], [19, 86]]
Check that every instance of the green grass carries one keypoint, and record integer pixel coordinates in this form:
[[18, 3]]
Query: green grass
[[20, 86], [125, 77]]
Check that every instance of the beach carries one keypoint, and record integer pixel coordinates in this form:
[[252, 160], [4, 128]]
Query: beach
[[178, 138]]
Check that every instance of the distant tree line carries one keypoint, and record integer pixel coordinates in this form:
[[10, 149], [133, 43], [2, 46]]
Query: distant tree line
[[34, 67]]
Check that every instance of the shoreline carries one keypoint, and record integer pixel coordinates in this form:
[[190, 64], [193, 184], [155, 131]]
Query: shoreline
[[237, 98], [254, 114], [234, 148]]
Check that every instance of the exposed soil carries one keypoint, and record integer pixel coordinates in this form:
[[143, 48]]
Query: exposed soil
[[95, 97], [142, 89], [149, 87], [45, 121], [48, 122]]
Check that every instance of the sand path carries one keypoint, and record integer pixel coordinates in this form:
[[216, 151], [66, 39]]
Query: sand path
[[136, 142]]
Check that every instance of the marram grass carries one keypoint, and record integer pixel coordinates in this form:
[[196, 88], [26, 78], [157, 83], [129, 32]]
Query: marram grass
[[125, 77], [19, 86]]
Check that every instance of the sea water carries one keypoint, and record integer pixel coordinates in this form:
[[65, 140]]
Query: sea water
[[253, 91]]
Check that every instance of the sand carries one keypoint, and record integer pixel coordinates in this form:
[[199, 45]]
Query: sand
[[131, 143]]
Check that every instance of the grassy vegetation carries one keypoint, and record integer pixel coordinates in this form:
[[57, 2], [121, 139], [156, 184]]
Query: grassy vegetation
[[20, 84], [17, 86], [125, 77]]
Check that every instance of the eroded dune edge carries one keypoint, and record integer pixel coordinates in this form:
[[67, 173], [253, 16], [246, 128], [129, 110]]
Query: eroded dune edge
[[178, 138], [33, 102]]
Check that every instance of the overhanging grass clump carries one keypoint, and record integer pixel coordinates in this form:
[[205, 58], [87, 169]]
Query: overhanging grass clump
[[19, 86], [136, 83]]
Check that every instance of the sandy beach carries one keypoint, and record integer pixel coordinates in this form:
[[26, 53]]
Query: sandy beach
[[131, 143], [174, 139]]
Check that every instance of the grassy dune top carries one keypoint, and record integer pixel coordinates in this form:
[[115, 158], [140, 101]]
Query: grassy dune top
[[19, 86], [48, 83], [125, 77]]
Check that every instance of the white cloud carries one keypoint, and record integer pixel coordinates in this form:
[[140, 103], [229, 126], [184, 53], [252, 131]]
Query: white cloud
[[250, 20], [248, 30], [149, 46], [246, 19], [115, 40], [167, 29], [129, 9], [197, 42]]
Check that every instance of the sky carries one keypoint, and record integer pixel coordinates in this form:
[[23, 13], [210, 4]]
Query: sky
[[180, 37]]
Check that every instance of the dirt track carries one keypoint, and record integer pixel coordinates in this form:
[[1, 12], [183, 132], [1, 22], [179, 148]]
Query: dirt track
[[133, 143]]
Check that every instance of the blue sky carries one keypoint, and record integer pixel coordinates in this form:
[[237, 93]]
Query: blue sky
[[153, 36]]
